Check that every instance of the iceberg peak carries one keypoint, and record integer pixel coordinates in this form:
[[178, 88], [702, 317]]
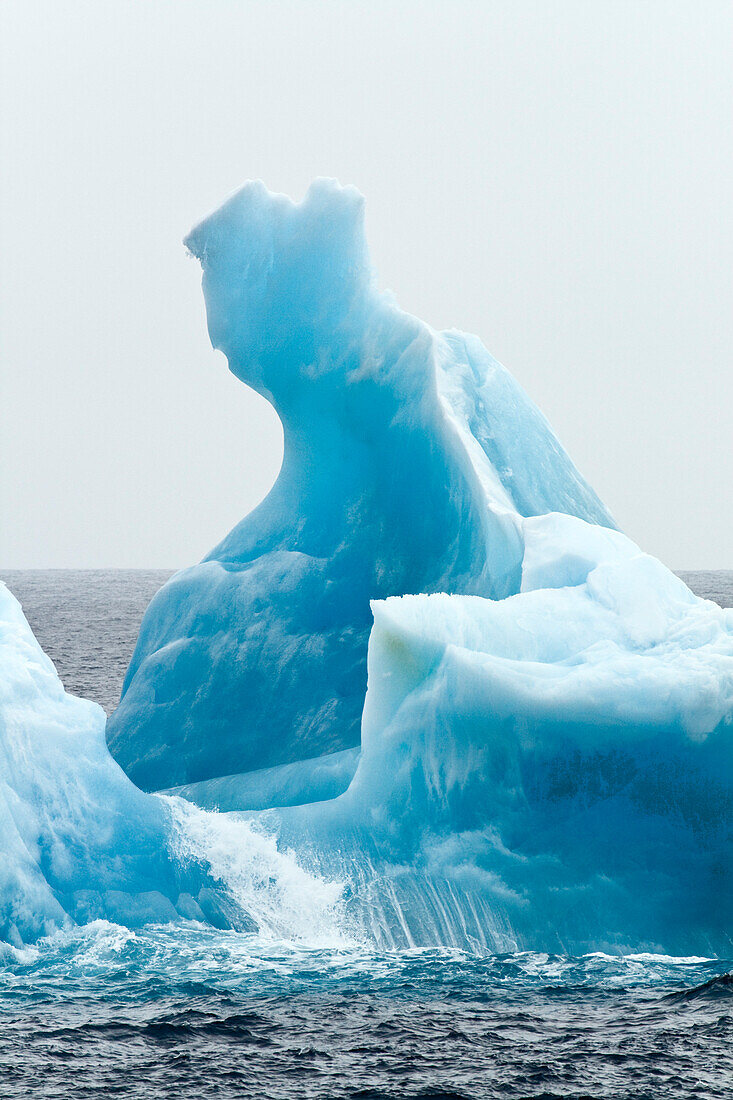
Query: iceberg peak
[[282, 278], [411, 457]]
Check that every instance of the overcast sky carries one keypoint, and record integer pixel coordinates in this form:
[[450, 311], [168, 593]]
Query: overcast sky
[[553, 176]]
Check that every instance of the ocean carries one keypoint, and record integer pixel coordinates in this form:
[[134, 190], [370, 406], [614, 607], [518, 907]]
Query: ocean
[[173, 1011]]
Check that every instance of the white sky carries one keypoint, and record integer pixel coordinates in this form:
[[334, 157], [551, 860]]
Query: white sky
[[553, 176]]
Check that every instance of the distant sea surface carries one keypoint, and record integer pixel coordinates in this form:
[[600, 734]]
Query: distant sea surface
[[87, 621], [101, 1011]]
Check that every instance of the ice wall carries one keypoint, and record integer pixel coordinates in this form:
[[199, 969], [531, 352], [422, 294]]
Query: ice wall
[[552, 771], [410, 458]]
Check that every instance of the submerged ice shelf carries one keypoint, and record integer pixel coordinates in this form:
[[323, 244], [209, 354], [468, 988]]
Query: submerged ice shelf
[[544, 758]]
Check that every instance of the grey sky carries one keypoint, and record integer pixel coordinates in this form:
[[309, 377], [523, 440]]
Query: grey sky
[[555, 177]]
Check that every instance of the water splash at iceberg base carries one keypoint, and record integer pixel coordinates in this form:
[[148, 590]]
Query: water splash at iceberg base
[[281, 902]]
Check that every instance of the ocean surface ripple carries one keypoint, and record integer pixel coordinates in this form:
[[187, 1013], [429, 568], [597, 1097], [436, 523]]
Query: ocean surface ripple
[[103, 1010]]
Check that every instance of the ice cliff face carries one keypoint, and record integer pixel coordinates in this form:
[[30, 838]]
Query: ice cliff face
[[563, 758], [410, 459]]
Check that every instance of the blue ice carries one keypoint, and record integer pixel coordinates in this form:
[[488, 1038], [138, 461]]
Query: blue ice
[[550, 771], [445, 701], [410, 458]]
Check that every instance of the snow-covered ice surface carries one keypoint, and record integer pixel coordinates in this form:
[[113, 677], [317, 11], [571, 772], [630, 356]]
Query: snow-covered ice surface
[[552, 770]]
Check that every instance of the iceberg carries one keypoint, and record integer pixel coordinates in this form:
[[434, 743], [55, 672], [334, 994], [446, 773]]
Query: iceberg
[[410, 458], [81, 843], [552, 771], [441, 698]]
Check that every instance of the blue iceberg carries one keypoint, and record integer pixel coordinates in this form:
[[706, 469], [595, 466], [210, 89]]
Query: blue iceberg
[[443, 700], [550, 771], [411, 457]]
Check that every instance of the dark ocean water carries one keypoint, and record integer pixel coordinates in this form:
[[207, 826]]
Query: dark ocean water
[[192, 1012], [106, 1012]]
